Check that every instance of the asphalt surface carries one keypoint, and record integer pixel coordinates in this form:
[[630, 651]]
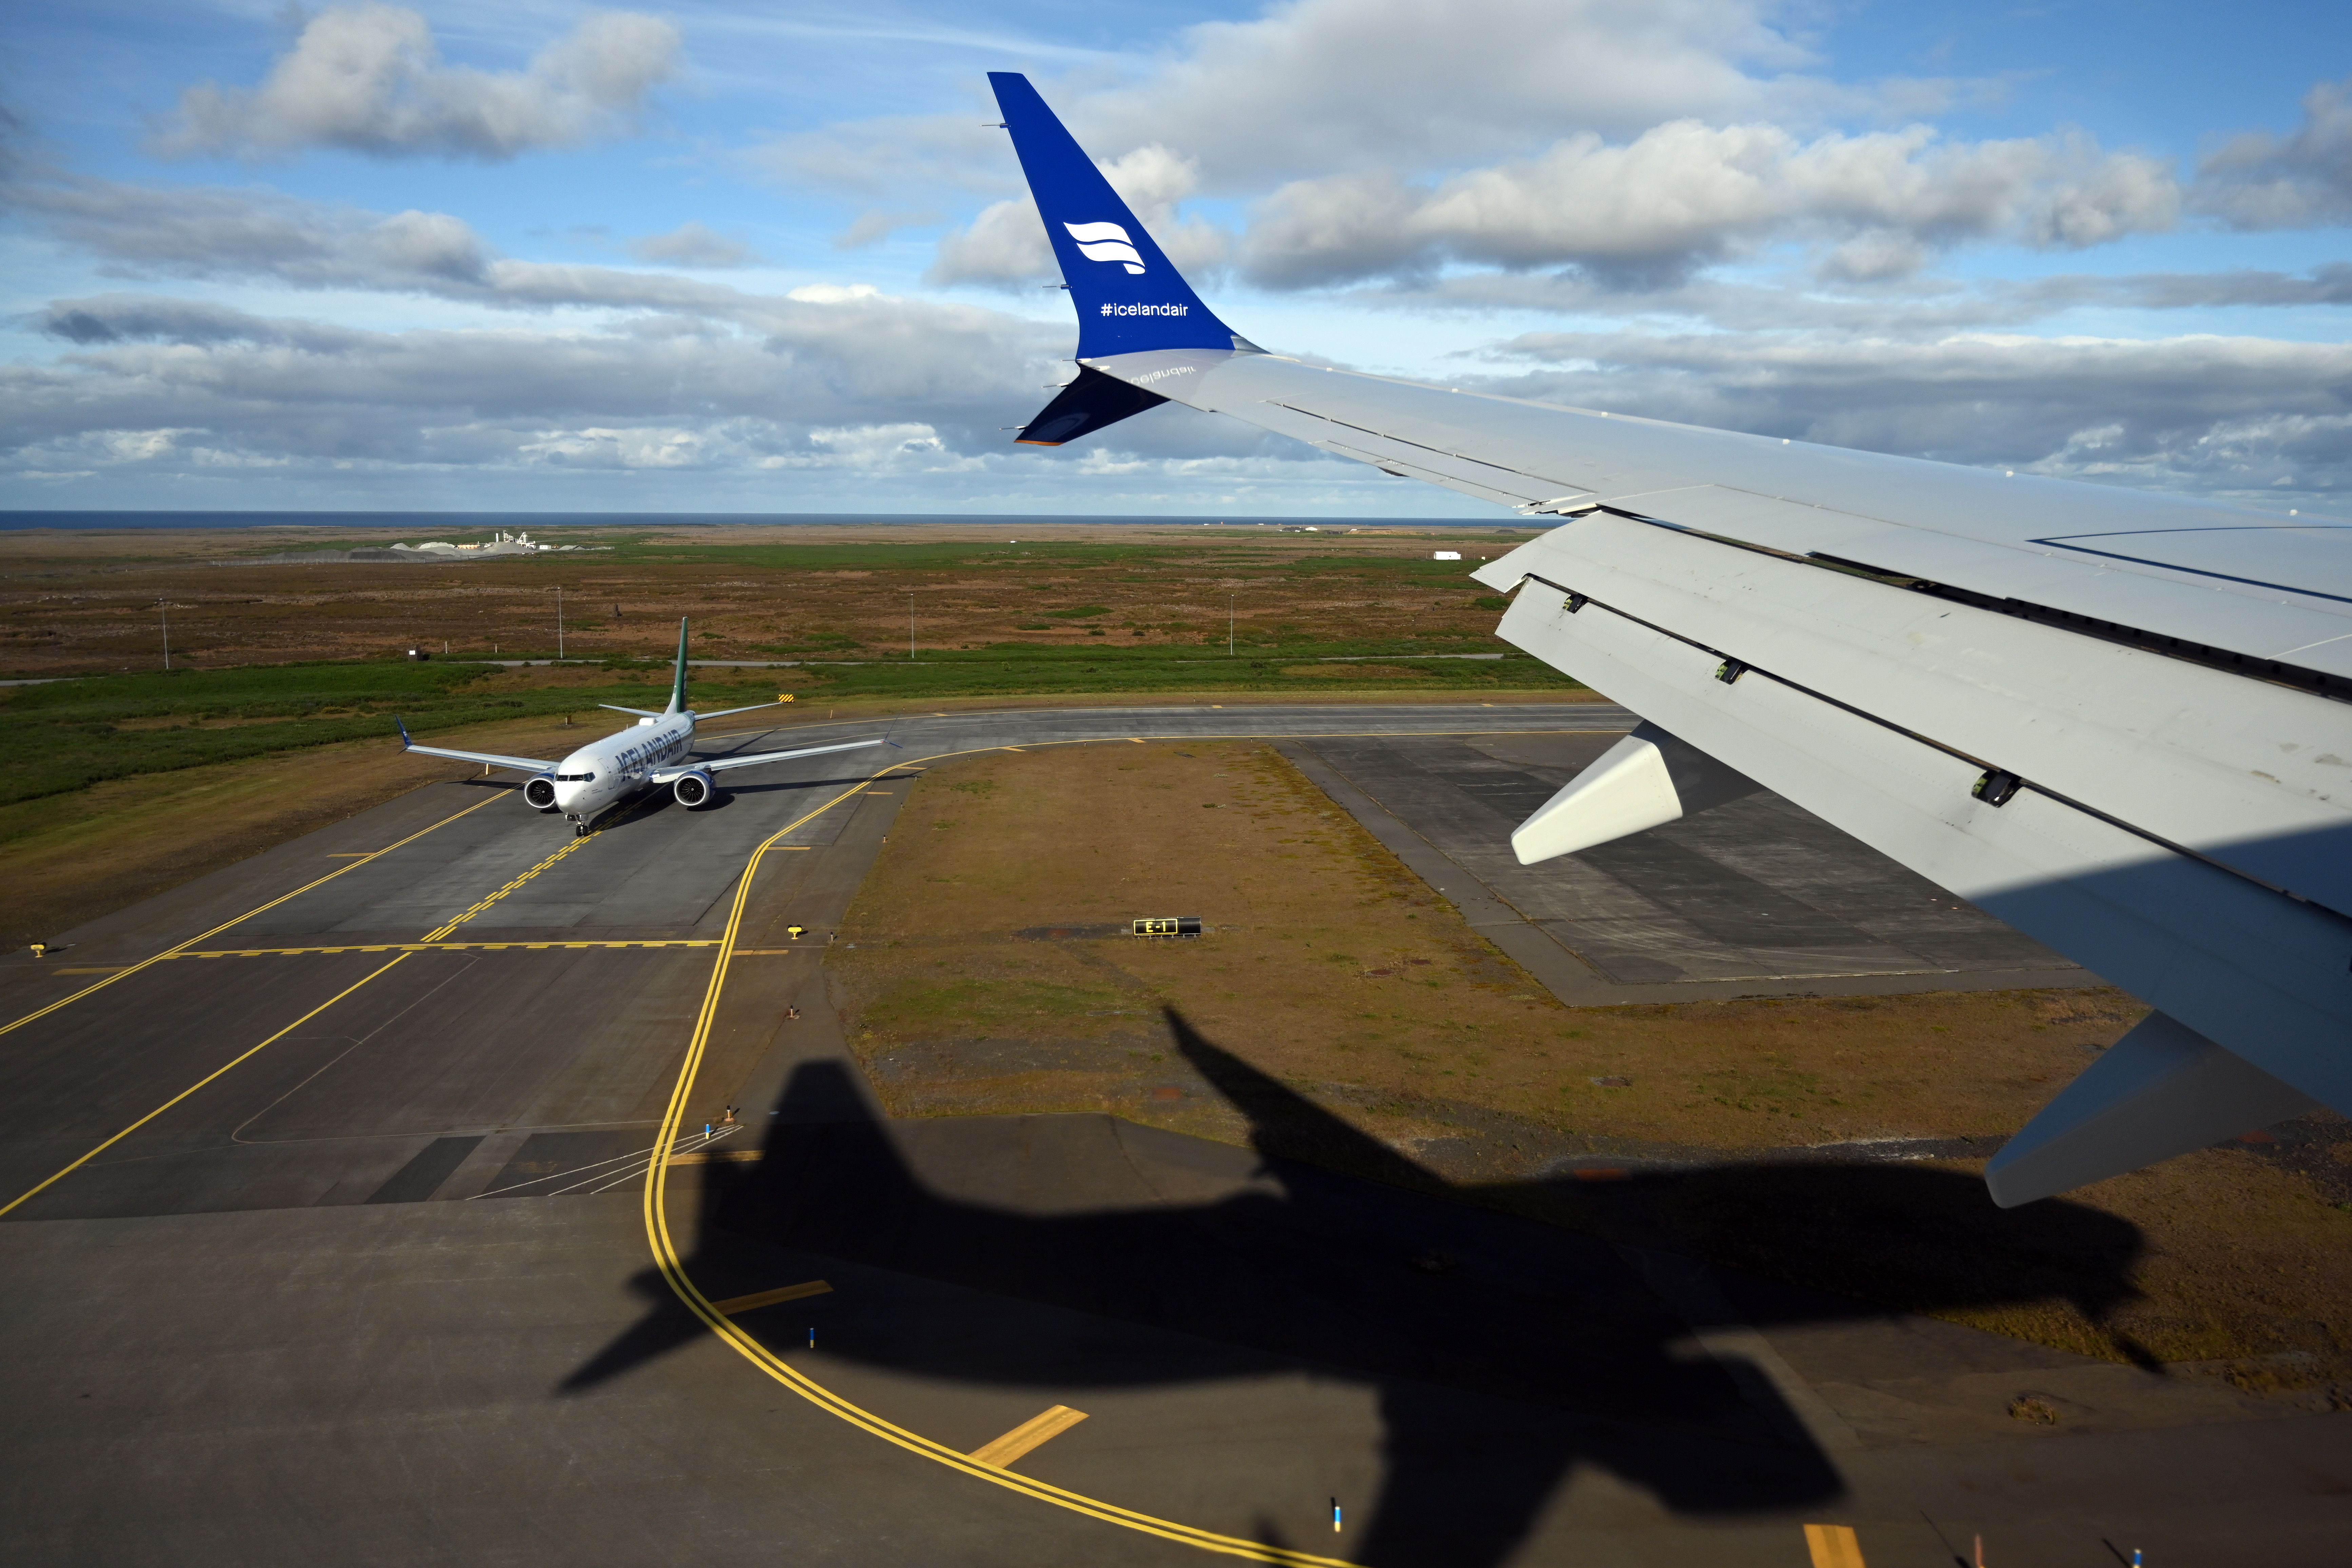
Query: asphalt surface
[[334, 1246]]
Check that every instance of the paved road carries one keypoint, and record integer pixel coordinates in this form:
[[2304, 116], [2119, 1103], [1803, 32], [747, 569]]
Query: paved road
[[287, 1283]]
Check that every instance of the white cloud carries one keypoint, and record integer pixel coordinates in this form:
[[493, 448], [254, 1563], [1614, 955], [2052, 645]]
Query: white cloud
[[1686, 193], [370, 79], [1317, 86], [692, 245], [2201, 414], [1363, 84], [2260, 181]]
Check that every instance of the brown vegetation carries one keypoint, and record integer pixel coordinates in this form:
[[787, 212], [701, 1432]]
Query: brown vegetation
[[984, 978]]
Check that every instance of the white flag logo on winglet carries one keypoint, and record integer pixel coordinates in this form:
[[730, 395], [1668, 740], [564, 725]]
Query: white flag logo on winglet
[[1105, 242]]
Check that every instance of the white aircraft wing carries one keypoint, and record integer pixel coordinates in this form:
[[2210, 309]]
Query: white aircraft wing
[[487, 758], [2122, 722], [2118, 721], [721, 764]]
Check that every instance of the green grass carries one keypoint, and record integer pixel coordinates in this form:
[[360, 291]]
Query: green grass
[[72, 733]]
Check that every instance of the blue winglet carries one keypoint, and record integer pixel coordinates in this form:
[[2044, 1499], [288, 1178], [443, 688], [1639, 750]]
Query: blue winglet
[[404, 742], [1130, 299]]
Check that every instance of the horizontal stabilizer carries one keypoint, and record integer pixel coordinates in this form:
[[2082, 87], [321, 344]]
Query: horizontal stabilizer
[[2162, 1089], [1646, 780], [1085, 406]]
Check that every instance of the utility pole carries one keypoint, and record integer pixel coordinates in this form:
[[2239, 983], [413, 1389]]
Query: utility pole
[[910, 628], [559, 622], [1229, 625], [165, 606]]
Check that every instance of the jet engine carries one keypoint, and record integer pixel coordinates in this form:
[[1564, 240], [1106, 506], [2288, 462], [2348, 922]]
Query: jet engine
[[541, 793], [692, 788]]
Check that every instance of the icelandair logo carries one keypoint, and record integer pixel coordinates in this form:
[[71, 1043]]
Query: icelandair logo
[[1105, 242]]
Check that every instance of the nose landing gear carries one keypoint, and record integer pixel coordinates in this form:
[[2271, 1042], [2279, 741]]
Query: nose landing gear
[[579, 828]]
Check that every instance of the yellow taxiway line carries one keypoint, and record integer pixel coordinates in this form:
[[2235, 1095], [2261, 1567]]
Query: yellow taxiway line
[[440, 947], [769, 1298], [263, 909], [1040, 1429], [673, 1271], [200, 1082]]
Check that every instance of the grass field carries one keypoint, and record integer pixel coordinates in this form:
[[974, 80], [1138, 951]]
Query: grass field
[[1334, 968], [286, 679], [276, 658], [88, 603]]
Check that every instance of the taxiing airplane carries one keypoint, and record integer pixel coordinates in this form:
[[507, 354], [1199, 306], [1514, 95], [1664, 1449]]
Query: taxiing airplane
[[2117, 720], [604, 773]]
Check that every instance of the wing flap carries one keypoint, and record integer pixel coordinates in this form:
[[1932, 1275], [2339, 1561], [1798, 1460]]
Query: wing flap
[[2156, 743], [2252, 969]]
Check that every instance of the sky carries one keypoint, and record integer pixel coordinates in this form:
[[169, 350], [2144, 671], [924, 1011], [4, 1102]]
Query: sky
[[774, 259]]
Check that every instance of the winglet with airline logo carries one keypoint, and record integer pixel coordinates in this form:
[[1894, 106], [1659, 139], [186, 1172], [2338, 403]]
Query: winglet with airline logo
[[1130, 299]]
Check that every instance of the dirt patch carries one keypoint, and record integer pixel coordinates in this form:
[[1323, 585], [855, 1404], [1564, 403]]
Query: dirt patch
[[981, 975]]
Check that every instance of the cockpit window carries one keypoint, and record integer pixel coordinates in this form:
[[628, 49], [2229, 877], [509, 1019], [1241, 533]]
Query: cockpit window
[[575, 777]]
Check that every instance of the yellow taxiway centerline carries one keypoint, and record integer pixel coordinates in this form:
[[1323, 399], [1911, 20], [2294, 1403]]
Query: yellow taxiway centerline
[[264, 909], [200, 1082], [673, 1271]]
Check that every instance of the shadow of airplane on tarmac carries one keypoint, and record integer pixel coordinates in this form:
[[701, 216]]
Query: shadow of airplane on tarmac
[[1504, 1352]]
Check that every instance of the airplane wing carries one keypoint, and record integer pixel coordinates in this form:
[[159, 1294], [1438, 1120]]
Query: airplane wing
[[721, 764], [2122, 722], [487, 758]]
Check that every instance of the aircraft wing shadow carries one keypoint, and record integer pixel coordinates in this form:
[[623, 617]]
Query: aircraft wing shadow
[[1530, 1351]]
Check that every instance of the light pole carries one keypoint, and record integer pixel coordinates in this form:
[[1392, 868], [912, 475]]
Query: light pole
[[164, 605], [1229, 625], [910, 628], [559, 623]]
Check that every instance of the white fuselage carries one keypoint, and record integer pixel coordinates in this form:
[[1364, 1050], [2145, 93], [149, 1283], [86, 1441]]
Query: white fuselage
[[606, 771]]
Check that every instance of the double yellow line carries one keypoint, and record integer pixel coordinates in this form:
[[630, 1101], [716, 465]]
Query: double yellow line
[[673, 1270]]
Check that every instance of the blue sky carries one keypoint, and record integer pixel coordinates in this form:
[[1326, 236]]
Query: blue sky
[[718, 258]]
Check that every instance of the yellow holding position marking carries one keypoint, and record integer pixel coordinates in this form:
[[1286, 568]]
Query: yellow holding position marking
[[264, 909], [431, 947]]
